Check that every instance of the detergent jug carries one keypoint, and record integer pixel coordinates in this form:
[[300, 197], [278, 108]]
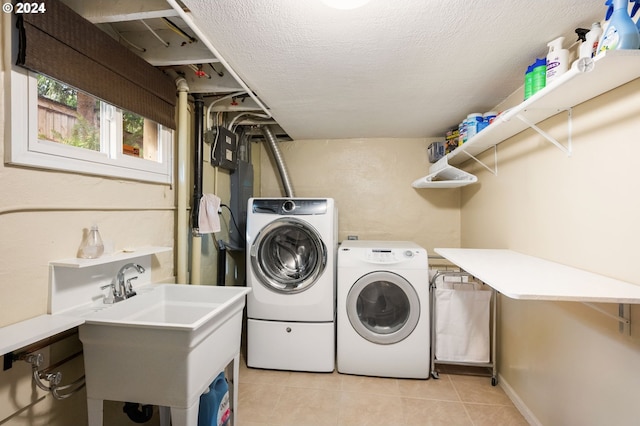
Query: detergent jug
[[214, 404]]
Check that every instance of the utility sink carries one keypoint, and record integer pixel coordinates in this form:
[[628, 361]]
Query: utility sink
[[163, 346]]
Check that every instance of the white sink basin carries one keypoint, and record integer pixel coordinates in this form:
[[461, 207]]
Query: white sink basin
[[179, 306], [162, 347]]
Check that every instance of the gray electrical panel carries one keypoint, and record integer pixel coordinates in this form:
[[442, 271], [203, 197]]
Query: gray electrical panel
[[224, 150], [241, 191]]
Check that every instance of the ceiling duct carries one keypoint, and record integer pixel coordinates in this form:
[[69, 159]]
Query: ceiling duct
[[272, 142]]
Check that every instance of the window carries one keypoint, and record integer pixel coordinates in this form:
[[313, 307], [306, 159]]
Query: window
[[55, 126], [67, 116]]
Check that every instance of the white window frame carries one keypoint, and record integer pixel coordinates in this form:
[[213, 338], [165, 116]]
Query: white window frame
[[26, 149]]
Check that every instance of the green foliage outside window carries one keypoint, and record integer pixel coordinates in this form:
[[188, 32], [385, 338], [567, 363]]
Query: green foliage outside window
[[56, 91], [84, 134], [132, 126]]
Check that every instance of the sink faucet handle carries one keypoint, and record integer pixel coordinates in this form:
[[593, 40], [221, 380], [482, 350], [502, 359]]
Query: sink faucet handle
[[129, 287], [112, 294]]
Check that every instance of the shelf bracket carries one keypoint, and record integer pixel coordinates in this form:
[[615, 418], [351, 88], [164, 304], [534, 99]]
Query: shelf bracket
[[623, 317], [548, 137], [493, 171]]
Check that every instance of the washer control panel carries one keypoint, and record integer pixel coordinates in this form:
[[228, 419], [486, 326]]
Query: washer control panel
[[388, 255], [290, 206]]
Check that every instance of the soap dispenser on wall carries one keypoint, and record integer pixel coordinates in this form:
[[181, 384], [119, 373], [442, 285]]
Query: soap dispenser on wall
[[92, 246]]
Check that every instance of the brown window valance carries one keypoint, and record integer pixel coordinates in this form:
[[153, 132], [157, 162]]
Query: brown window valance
[[63, 45]]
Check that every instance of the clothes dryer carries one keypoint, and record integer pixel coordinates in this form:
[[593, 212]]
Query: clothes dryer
[[291, 268], [383, 309]]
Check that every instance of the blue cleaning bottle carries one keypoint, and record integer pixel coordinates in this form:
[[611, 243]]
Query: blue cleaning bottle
[[634, 10], [528, 82], [214, 404], [621, 32]]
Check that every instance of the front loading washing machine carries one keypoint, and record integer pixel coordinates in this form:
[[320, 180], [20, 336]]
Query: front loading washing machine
[[291, 268], [383, 309]]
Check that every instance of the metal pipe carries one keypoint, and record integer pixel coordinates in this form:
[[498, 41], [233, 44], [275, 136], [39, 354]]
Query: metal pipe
[[277, 156], [232, 123], [196, 238], [164, 43], [53, 378], [208, 115], [112, 208], [196, 259], [188, 19], [27, 350], [197, 159]]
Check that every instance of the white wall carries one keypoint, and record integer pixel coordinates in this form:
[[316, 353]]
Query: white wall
[[567, 362], [370, 179]]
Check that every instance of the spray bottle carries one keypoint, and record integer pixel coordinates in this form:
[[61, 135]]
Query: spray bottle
[[589, 46], [621, 32], [557, 60], [634, 10]]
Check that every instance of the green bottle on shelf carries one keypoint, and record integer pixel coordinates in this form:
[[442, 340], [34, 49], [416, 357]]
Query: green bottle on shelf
[[528, 82], [539, 75]]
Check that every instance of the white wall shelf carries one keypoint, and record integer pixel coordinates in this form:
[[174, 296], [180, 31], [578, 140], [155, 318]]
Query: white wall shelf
[[110, 258], [25, 333], [524, 277], [520, 276], [445, 176], [582, 82]]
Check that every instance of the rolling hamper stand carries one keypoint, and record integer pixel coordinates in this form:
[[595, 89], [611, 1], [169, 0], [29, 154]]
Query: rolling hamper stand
[[463, 322]]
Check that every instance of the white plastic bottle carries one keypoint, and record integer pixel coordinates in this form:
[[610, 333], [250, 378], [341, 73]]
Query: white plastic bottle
[[557, 59], [589, 47], [472, 121]]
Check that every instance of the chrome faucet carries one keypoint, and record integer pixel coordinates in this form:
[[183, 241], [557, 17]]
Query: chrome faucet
[[124, 289], [121, 289]]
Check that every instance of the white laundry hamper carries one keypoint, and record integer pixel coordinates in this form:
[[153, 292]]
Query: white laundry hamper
[[463, 322], [462, 319]]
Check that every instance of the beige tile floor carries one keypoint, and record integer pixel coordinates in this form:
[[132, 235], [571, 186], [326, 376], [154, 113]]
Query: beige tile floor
[[269, 397]]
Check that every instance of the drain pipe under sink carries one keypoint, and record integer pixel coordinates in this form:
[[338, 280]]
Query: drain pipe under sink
[[271, 140]]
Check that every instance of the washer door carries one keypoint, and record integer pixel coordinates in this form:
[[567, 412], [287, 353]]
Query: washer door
[[383, 307], [288, 255]]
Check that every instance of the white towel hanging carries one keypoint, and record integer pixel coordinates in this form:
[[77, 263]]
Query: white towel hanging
[[208, 219]]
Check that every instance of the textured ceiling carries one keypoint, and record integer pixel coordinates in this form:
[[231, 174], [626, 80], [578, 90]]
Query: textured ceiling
[[401, 68]]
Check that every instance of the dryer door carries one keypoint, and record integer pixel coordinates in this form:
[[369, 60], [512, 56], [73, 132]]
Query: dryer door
[[383, 307], [288, 255]]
